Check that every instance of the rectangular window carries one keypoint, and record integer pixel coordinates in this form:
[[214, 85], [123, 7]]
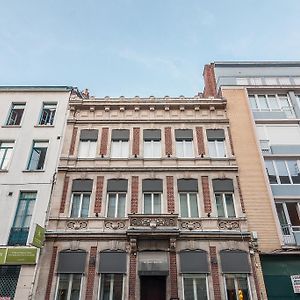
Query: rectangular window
[[80, 205], [6, 150], [16, 113], [188, 205], [9, 276], [225, 205], [283, 171], [184, 142], [152, 203], [152, 143], [69, 287], [111, 287], [120, 143], [87, 149], [116, 204], [216, 148], [48, 114], [237, 287], [37, 156], [20, 229], [195, 287]]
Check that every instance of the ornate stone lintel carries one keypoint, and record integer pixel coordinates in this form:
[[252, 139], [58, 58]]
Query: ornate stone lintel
[[191, 225], [77, 224], [114, 225], [153, 222], [229, 225]]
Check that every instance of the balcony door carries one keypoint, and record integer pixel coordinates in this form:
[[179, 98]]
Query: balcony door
[[153, 287]]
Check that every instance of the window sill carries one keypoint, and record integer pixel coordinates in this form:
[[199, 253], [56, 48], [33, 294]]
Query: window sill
[[33, 171], [43, 126], [11, 126]]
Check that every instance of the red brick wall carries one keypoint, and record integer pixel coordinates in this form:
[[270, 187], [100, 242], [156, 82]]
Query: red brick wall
[[170, 194], [210, 89], [132, 276], [230, 140], [136, 142], [134, 194], [73, 141], [64, 195], [240, 194], [168, 141], [215, 272], [200, 140], [99, 192], [173, 275], [91, 274], [51, 273], [206, 194], [104, 141]]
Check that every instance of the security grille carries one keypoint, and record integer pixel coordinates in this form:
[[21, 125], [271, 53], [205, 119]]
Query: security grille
[[9, 276]]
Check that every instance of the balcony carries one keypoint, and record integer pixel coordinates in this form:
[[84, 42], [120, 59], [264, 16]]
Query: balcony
[[18, 236], [291, 235]]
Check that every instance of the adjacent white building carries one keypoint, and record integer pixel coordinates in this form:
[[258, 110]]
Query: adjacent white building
[[32, 123]]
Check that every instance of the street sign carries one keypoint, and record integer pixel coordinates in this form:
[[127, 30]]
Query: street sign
[[2, 256], [21, 256], [38, 237]]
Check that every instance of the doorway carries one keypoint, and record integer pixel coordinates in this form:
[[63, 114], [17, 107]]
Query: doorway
[[153, 287]]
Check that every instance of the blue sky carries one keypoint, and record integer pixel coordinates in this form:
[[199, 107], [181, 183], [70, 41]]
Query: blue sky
[[139, 47]]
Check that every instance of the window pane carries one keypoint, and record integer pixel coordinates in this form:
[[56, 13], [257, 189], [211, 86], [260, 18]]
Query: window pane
[[48, 113], [271, 171], [63, 286], [188, 150], [212, 149], [220, 207], [221, 148], [115, 152], [263, 102], [38, 155], [75, 290], [28, 213], [183, 206], [252, 102], [293, 211], [156, 149], [200, 283], [242, 284], [16, 114], [282, 219], [20, 215], [118, 287], [188, 288], [147, 204], [111, 209], [193, 206], [230, 289], [229, 205], [121, 206], [156, 204], [92, 149], [273, 102], [147, 149], [75, 206], [111, 287], [83, 149], [294, 170], [85, 205], [179, 149], [284, 102], [282, 171], [124, 149]]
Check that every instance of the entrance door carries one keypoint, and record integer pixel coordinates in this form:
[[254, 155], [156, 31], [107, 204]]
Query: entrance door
[[153, 287]]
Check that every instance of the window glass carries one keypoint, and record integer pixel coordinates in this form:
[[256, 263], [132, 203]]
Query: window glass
[[263, 102], [184, 148], [121, 206], [270, 171], [116, 205], [48, 114], [273, 102], [294, 170], [284, 101], [212, 149], [183, 206], [119, 149], [87, 149], [195, 287], [69, 286], [75, 289], [15, 115], [229, 205], [282, 172], [294, 213], [147, 203], [242, 287], [152, 203], [6, 150], [156, 203], [111, 287], [85, 205], [112, 199], [38, 155], [63, 286], [80, 205], [75, 205], [253, 103], [237, 287], [152, 149], [193, 205], [220, 205]]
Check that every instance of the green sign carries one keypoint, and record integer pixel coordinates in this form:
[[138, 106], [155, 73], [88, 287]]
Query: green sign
[[2, 255], [38, 237], [21, 256]]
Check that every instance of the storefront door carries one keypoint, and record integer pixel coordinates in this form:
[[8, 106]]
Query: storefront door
[[153, 287]]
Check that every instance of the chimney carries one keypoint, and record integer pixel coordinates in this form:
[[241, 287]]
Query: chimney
[[210, 89]]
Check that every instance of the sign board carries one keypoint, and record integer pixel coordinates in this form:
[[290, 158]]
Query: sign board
[[21, 256], [38, 237], [296, 283], [2, 256]]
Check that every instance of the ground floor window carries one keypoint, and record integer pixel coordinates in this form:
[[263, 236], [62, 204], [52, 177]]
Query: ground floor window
[[69, 287], [237, 287], [9, 276], [111, 287], [195, 287]]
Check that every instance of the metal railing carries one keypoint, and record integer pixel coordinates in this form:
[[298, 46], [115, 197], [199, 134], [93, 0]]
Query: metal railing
[[18, 236], [290, 234]]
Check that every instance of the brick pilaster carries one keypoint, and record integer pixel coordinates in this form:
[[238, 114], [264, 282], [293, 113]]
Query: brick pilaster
[[200, 140], [168, 141], [240, 194], [230, 140], [210, 89], [136, 142], [51, 273], [104, 141], [132, 276], [206, 194], [64, 195], [173, 275], [170, 194], [255, 277], [215, 272], [73, 141], [91, 274], [99, 192], [134, 194]]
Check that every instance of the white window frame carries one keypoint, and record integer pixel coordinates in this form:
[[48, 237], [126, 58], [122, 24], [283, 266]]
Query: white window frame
[[91, 153], [69, 286], [152, 202], [194, 276], [45, 104], [224, 204], [184, 147], [120, 153], [7, 148], [80, 205], [117, 204], [235, 284], [188, 204], [152, 146], [111, 294]]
